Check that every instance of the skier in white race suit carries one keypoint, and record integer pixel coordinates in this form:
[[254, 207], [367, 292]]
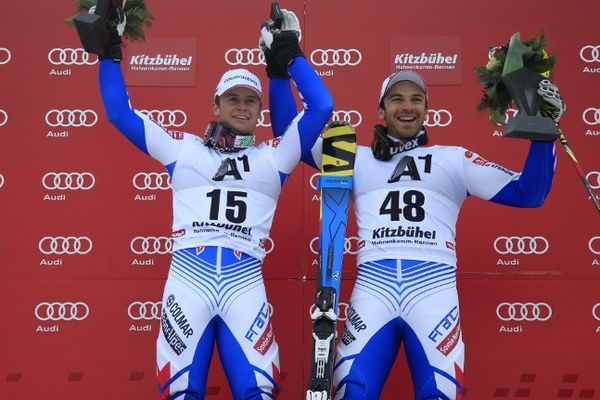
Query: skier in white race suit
[[225, 190]]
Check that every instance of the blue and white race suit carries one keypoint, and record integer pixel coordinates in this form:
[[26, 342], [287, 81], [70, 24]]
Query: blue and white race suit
[[405, 292], [223, 208]]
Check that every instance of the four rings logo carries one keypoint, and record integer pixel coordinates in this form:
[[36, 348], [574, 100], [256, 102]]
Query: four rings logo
[[74, 118], [152, 181], [68, 56], [342, 310], [596, 311], [521, 245], [339, 57], [5, 55], [167, 118], [314, 179], [352, 117], [3, 117], [510, 114], [267, 244], [441, 118], [62, 311], [350, 245], [147, 310], [68, 181], [244, 57], [1, 180], [594, 245], [524, 311], [151, 245], [65, 245], [591, 116], [593, 179], [590, 54], [264, 119]]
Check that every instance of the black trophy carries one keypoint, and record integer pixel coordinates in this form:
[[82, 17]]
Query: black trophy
[[93, 29], [522, 84]]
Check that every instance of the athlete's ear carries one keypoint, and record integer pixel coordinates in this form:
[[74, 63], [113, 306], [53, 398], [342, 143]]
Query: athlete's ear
[[380, 113], [216, 109]]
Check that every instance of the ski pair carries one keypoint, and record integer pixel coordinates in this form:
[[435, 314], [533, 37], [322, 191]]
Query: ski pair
[[335, 185]]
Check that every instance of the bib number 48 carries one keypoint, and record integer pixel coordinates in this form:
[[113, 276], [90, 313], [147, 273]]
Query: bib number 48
[[409, 204]]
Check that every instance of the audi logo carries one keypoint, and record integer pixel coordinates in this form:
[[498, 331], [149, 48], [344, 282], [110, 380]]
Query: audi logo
[[1, 180], [5, 55], [267, 244], [167, 118], [65, 245], [510, 114], [594, 244], [339, 57], [524, 311], [593, 179], [77, 311], [68, 181], [152, 181], [73, 118], [151, 245], [342, 310], [591, 116], [314, 179], [350, 245], [521, 245], [264, 119], [68, 56], [596, 311], [352, 117], [147, 310], [441, 118], [3, 117], [244, 57], [590, 54]]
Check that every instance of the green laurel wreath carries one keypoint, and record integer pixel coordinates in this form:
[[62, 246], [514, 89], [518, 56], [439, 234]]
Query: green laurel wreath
[[136, 12], [496, 98]]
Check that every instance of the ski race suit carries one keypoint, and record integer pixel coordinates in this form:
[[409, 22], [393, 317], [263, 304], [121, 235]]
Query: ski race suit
[[405, 292], [223, 207]]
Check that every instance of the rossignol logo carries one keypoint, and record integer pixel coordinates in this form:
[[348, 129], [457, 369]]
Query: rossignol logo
[[160, 62], [399, 232]]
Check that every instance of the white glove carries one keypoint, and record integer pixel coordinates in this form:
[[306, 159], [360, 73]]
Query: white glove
[[290, 23], [553, 105]]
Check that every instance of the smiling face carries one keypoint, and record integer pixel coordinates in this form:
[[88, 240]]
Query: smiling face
[[238, 109], [404, 109]]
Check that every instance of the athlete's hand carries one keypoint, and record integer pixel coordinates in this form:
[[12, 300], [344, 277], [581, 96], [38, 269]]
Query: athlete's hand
[[284, 44], [553, 105], [291, 23]]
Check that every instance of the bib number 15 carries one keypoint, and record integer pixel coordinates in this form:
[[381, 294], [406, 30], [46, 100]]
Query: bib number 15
[[235, 207], [409, 205]]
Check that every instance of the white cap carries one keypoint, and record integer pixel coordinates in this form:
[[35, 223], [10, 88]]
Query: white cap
[[402, 75], [238, 77]]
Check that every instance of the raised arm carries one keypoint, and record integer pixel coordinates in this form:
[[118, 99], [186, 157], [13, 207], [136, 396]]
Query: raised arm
[[301, 134], [532, 185], [117, 106], [144, 133]]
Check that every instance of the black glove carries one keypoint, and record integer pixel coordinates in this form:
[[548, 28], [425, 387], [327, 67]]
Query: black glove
[[285, 47], [274, 70]]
